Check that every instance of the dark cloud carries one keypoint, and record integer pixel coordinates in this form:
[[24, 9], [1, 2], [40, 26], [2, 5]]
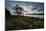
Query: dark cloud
[[41, 10], [34, 8]]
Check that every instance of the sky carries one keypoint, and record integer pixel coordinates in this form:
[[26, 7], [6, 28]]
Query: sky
[[27, 6], [29, 0]]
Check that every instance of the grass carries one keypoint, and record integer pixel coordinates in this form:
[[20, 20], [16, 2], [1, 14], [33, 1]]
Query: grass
[[22, 22]]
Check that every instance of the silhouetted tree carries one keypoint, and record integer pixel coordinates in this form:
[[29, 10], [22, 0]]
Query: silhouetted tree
[[7, 11], [18, 9]]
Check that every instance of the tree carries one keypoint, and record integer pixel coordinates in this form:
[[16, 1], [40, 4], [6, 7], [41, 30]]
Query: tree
[[18, 9]]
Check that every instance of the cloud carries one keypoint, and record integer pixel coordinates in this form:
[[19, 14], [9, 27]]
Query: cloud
[[28, 7]]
